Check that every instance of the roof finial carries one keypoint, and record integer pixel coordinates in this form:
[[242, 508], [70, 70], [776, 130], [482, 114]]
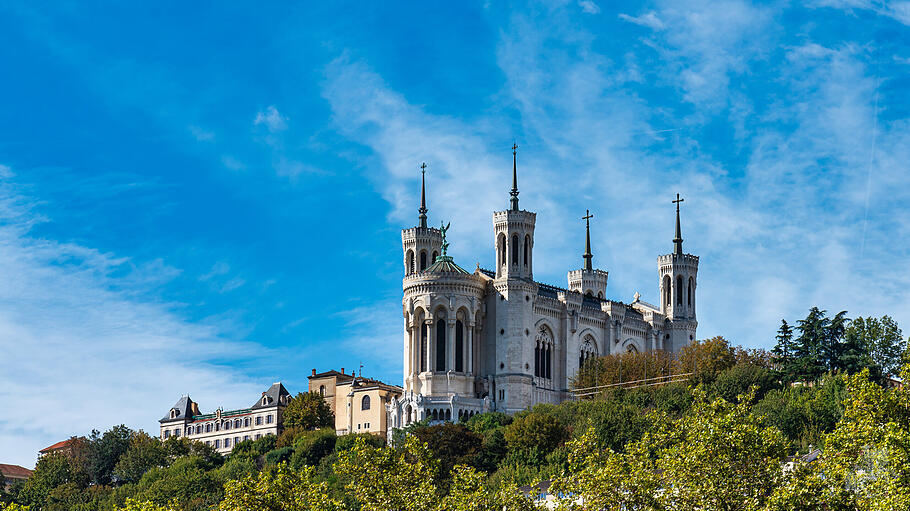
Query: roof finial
[[677, 241], [514, 192], [588, 255], [423, 195], [443, 228]]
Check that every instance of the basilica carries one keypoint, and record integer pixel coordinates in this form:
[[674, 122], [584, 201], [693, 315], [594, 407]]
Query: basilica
[[496, 339]]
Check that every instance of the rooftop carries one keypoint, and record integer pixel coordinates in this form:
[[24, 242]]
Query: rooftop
[[15, 471]]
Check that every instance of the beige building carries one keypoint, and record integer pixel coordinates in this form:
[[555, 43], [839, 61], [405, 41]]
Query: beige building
[[359, 404], [225, 429]]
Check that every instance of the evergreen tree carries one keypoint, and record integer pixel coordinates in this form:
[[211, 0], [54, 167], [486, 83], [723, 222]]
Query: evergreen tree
[[809, 345], [785, 350], [833, 341]]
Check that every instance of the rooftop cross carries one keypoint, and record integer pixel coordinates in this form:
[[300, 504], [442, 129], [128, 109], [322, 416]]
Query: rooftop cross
[[588, 255], [514, 192], [677, 241]]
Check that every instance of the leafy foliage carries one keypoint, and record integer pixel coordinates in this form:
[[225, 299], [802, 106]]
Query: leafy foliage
[[308, 410]]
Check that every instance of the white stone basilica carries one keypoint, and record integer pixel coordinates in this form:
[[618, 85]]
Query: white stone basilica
[[499, 340]]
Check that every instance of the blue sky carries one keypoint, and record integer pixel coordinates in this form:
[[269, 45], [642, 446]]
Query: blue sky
[[206, 201]]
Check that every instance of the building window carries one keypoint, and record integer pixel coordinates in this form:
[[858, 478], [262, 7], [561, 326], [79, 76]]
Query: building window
[[268, 419], [246, 422], [365, 403], [259, 420], [322, 390], [679, 291], [227, 442], [514, 249], [543, 354], [265, 400], [198, 429], [258, 436], [167, 433], [423, 260], [410, 262], [236, 440], [189, 430], [173, 413], [227, 425], [423, 346], [207, 442], [176, 432], [246, 437], [667, 293], [217, 444], [501, 246], [208, 428], [236, 423], [217, 426], [367, 425], [691, 282], [441, 345], [527, 249], [358, 426], [459, 346]]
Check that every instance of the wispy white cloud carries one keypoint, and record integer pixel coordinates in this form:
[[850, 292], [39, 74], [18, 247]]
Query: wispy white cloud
[[87, 347], [589, 7], [272, 119], [648, 19]]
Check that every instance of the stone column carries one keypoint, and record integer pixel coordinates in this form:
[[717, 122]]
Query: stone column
[[469, 359]]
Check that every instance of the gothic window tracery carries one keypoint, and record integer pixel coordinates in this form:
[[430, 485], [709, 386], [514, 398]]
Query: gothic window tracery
[[543, 354], [588, 351]]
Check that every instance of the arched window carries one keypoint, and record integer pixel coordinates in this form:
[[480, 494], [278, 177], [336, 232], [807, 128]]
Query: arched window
[[527, 249], [514, 249], [459, 346], [667, 295], [631, 348], [543, 354], [689, 288], [435, 415], [173, 413], [588, 350], [407, 415], [679, 290], [441, 345], [423, 260], [365, 403], [435, 256], [410, 263], [322, 390], [501, 247], [423, 347]]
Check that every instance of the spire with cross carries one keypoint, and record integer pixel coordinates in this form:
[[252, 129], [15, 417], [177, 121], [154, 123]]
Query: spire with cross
[[677, 241], [588, 255], [514, 192], [423, 195]]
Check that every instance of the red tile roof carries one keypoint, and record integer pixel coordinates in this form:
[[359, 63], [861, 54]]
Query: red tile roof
[[14, 471], [57, 446]]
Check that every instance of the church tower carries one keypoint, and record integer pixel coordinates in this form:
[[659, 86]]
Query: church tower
[[588, 281], [513, 335], [421, 245], [678, 279]]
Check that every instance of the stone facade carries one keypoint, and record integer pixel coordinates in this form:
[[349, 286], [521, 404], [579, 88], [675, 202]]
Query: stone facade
[[499, 340], [359, 404], [225, 429]]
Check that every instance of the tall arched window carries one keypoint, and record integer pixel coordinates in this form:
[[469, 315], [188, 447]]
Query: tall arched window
[[667, 292], [435, 256], [423, 346], [410, 263], [514, 249], [501, 246], [423, 260], [679, 290], [322, 390], [365, 403], [459, 346], [588, 351], [689, 288], [543, 354], [441, 345], [527, 249]]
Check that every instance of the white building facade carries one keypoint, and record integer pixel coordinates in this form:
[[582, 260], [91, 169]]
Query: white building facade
[[499, 340]]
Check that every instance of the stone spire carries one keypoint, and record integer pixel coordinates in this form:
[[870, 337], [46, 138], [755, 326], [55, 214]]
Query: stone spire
[[677, 241], [588, 255], [514, 192], [423, 195]]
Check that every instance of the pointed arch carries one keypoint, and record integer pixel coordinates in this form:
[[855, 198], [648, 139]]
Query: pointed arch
[[679, 290], [690, 290], [527, 249], [423, 260], [410, 262], [667, 292], [514, 249]]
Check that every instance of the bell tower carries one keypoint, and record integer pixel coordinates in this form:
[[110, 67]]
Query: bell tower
[[421, 245], [513, 231], [678, 280], [588, 281]]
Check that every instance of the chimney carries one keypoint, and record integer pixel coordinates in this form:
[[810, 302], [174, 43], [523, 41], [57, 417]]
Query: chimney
[[342, 370], [314, 372]]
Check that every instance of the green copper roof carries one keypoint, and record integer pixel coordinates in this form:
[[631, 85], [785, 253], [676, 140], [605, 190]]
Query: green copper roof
[[445, 264]]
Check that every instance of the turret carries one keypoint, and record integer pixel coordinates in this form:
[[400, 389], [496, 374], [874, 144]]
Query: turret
[[421, 245], [514, 235], [588, 281], [678, 280]]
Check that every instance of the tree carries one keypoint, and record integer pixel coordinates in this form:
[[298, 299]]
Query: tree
[[105, 451], [283, 490], [706, 359], [51, 471], [717, 456], [451, 444], [144, 453], [470, 493], [810, 345], [882, 341], [737, 380], [785, 350], [384, 478], [535, 430], [308, 411]]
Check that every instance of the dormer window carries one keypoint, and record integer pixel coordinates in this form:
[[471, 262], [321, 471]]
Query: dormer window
[[265, 400], [174, 413]]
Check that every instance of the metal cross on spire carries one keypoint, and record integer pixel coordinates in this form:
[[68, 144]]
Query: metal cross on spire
[[423, 195], [677, 241], [588, 255], [514, 192]]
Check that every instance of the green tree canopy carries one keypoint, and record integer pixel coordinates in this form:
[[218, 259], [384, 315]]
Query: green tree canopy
[[308, 410]]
